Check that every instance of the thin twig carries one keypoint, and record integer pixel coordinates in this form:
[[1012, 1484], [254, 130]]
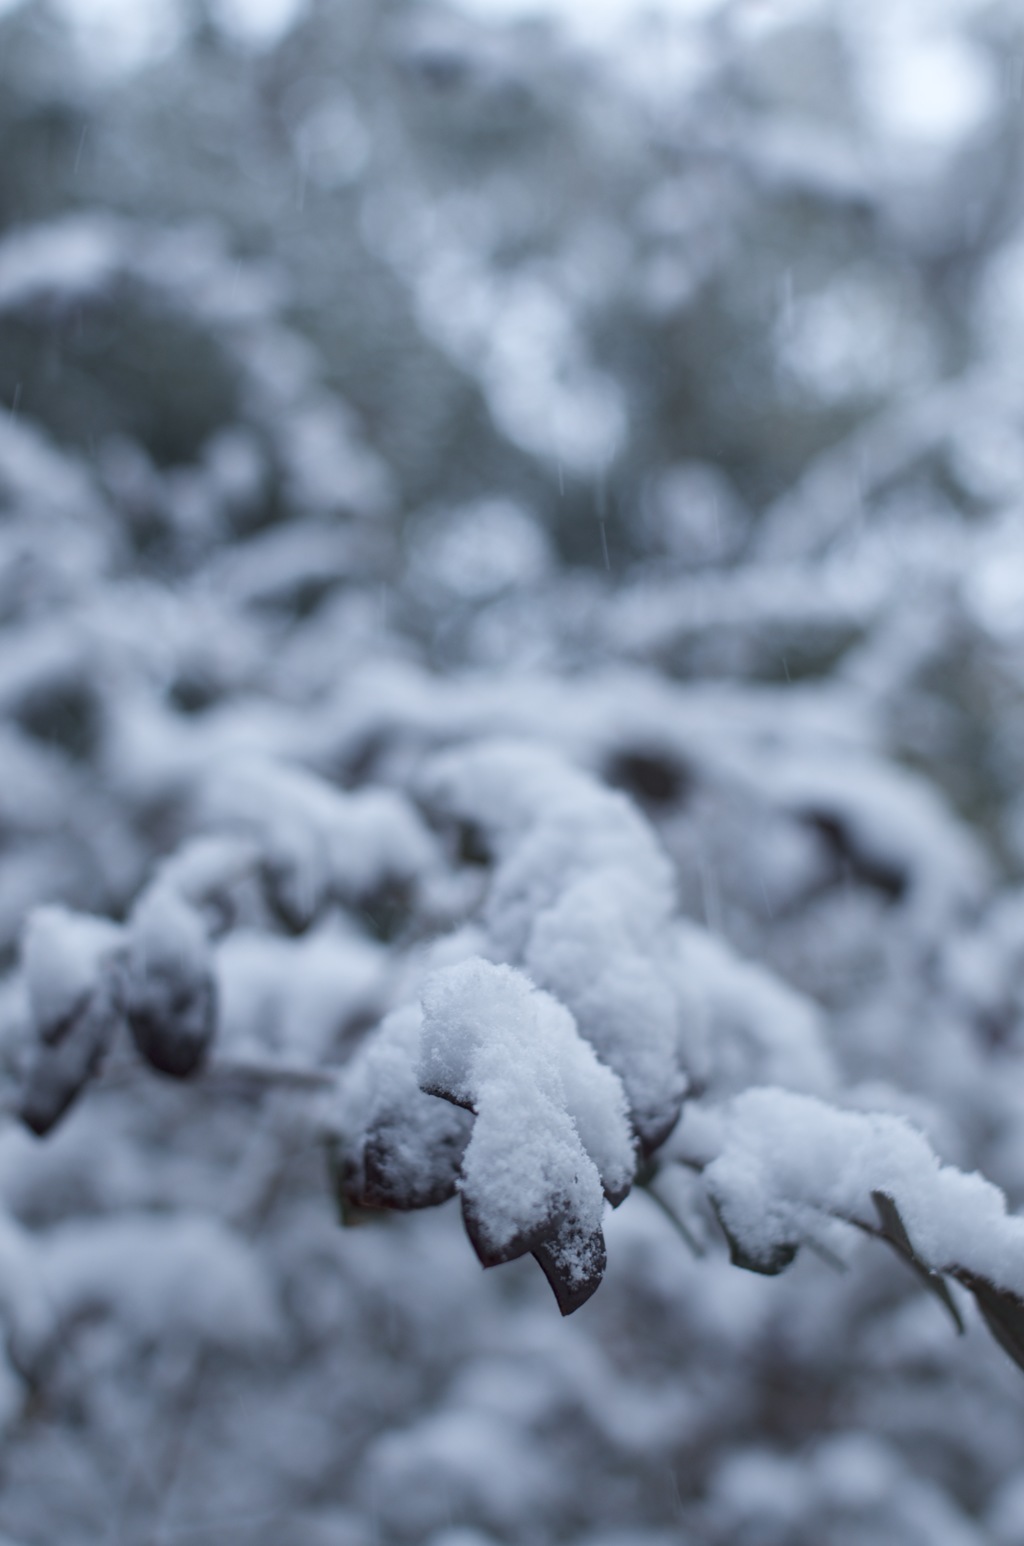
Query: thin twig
[[681, 1229]]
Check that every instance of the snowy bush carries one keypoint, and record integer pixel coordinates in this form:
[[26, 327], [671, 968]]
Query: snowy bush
[[510, 665]]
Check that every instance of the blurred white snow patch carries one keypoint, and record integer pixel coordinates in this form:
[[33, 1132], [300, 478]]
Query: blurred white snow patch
[[117, 36], [994, 585], [161, 1276], [275, 567], [582, 896], [73, 258], [123, 35], [297, 997], [61, 953], [787, 1161], [515, 332], [542, 391], [744, 1025], [167, 936], [34, 474], [329, 1527], [754, 1483], [457, 1462], [479, 550], [999, 309], [855, 338], [24, 1302], [631, 1537], [692, 511], [595, 21], [892, 819], [328, 468], [258, 24], [332, 142], [319, 840], [849, 1478], [855, 1470], [237, 466], [929, 89], [1006, 1512], [551, 1119], [458, 1536]]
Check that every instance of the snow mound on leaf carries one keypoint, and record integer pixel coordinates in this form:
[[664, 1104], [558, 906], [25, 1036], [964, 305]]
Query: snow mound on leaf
[[582, 899], [395, 1146], [319, 840], [787, 1160], [62, 953], [551, 1135]]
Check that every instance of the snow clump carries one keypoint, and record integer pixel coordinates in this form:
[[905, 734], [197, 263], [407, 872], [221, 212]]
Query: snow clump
[[552, 1134], [582, 899]]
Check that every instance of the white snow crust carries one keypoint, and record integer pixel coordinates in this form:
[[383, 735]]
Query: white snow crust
[[322, 839], [412, 1143], [63, 954], [551, 1132], [185, 1276], [168, 939], [786, 1162], [582, 898]]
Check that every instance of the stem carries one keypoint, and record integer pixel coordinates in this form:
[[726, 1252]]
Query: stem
[[295, 1076], [681, 1229]]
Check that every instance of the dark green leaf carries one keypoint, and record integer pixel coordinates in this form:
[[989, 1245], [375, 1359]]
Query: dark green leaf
[[1002, 1310], [894, 1231], [65, 1062], [769, 1263], [574, 1266]]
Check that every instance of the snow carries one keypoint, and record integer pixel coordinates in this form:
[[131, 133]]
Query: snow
[[273, 567], [394, 1145], [582, 899], [931, 91], [73, 260], [603, 21], [591, 948], [257, 24], [164, 1279], [561, 666], [470, 1461], [203, 870], [848, 1478], [788, 1162], [330, 470], [513, 331], [36, 476], [480, 550], [24, 1297], [71, 970], [319, 840], [893, 820], [63, 954], [301, 998], [551, 1133], [744, 1025], [169, 989], [167, 936]]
